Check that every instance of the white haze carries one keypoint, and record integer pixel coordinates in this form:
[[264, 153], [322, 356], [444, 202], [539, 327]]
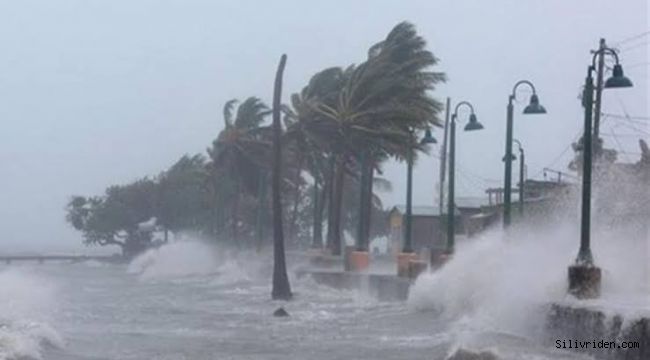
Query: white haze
[[94, 93]]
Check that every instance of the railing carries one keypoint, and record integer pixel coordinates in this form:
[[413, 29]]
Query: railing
[[8, 259]]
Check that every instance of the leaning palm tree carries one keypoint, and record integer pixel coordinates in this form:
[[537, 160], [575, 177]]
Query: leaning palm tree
[[374, 110], [309, 135], [240, 154]]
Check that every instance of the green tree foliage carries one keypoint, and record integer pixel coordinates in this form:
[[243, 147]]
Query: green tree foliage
[[370, 109], [336, 133], [182, 195], [114, 218]]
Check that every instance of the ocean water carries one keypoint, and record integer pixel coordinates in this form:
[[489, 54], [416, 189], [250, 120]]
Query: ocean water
[[190, 301]]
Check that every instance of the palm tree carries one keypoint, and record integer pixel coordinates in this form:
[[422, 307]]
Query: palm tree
[[281, 288], [239, 155], [372, 108], [307, 135]]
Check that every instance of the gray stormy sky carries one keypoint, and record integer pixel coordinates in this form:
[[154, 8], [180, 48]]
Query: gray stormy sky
[[94, 93]]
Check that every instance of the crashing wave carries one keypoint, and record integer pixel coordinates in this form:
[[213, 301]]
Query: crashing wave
[[27, 340], [24, 298], [188, 259]]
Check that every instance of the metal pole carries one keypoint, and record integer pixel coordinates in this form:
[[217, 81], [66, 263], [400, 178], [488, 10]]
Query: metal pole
[[599, 90], [507, 186], [450, 196], [584, 255], [521, 183], [443, 159], [409, 192]]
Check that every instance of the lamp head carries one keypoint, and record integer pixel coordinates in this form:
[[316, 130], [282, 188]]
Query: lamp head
[[473, 123], [428, 138], [534, 107], [618, 80]]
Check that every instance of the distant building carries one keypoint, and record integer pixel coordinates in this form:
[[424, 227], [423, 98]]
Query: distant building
[[475, 214], [429, 225]]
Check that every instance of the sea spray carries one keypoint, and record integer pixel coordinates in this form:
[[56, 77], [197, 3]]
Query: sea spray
[[505, 283], [176, 259], [498, 282], [26, 304], [187, 259]]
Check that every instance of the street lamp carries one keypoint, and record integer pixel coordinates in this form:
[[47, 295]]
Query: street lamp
[[473, 124], [584, 276], [521, 178], [407, 255], [408, 246], [533, 107]]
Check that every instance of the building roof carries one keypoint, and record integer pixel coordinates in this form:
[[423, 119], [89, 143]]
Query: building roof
[[420, 210], [472, 202]]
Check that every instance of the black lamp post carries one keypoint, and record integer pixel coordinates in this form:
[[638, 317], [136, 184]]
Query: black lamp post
[[533, 108], [473, 124], [584, 276], [521, 177], [408, 246]]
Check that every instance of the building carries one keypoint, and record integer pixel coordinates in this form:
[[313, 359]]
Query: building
[[429, 225]]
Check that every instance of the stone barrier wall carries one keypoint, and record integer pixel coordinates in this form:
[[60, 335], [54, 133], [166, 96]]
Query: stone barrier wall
[[572, 323]]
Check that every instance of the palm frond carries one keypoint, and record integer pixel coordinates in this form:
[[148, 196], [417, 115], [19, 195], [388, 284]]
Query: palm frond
[[227, 112]]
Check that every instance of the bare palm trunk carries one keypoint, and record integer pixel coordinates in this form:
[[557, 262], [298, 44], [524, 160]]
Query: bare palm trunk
[[368, 203], [330, 202], [365, 205], [215, 227], [261, 210], [296, 201], [317, 240], [235, 217], [281, 288], [337, 206]]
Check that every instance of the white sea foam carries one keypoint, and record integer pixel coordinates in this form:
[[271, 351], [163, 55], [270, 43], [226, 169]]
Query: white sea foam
[[187, 259], [26, 301], [230, 272], [504, 283], [177, 259]]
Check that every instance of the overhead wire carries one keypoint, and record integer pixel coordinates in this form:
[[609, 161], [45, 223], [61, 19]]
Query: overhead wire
[[632, 38], [636, 46]]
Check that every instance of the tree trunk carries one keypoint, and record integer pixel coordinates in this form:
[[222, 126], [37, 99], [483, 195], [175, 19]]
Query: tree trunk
[[296, 201], [317, 236], [235, 217], [261, 210], [218, 217], [330, 202], [337, 237], [361, 213], [281, 288], [367, 174]]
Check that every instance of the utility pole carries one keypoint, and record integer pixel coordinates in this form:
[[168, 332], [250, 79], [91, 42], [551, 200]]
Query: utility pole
[[443, 159], [441, 189], [599, 92]]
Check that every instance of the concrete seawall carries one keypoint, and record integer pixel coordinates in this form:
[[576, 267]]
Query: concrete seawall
[[570, 323]]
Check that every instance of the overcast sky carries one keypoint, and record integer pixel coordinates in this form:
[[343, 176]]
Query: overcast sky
[[94, 93]]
